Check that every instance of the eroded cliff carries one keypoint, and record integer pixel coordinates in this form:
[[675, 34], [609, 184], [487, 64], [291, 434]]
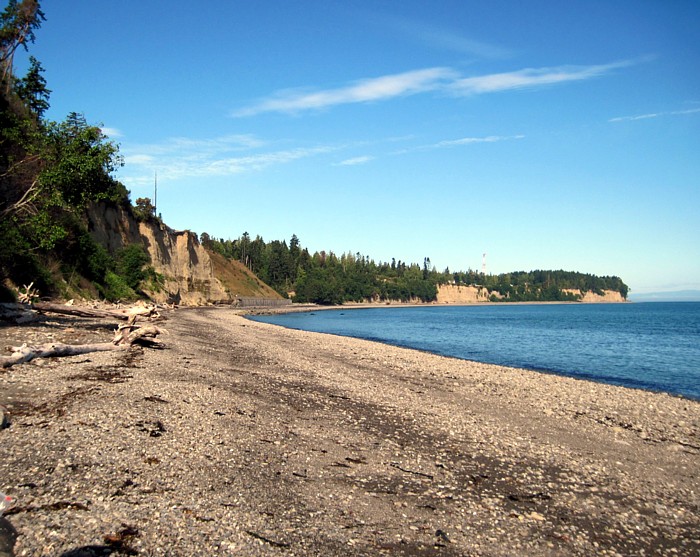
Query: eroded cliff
[[460, 294], [192, 275]]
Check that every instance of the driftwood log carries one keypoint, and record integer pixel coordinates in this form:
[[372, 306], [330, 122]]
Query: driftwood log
[[28, 298], [125, 337], [127, 314]]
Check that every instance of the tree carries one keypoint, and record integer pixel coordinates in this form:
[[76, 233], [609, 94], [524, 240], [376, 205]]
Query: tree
[[18, 22], [32, 89], [80, 162], [144, 210]]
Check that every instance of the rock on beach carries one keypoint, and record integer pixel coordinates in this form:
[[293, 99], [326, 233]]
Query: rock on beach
[[242, 438]]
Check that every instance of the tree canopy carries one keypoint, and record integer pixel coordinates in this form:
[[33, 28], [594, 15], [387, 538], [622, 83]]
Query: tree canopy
[[50, 172], [327, 278]]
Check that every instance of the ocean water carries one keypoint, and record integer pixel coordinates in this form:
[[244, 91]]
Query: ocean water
[[653, 346]]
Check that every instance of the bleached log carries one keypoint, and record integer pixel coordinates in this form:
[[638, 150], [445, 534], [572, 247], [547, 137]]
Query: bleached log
[[25, 353], [127, 314], [131, 334], [125, 337], [17, 313]]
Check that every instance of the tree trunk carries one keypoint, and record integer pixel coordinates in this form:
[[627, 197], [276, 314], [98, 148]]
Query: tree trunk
[[129, 314], [126, 336]]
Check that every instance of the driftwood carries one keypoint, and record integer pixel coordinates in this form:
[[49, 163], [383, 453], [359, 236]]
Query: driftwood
[[16, 313], [26, 313], [29, 300], [128, 314], [125, 336]]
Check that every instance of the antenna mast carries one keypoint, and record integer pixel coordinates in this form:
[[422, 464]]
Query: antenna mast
[[155, 193], [483, 264]]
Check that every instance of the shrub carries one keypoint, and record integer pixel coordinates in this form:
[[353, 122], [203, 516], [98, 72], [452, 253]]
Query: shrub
[[115, 288], [130, 264]]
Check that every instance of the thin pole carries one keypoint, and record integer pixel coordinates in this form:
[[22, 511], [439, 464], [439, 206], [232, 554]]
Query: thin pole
[[155, 194]]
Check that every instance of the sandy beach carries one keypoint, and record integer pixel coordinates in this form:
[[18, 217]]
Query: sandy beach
[[242, 438]]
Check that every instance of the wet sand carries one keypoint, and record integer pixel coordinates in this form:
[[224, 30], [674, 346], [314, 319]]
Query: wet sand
[[243, 438]]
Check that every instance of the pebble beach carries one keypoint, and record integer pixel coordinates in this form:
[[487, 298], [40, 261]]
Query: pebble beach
[[242, 438]]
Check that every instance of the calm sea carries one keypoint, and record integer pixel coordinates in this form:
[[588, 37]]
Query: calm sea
[[653, 346]]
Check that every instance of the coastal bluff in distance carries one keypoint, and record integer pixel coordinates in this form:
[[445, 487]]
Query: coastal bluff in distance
[[462, 294], [194, 273]]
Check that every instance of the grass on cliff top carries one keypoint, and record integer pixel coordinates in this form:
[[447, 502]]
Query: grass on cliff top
[[238, 279]]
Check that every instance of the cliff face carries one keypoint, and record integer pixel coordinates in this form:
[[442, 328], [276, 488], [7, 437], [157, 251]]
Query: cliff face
[[185, 264], [608, 296], [191, 277], [459, 294]]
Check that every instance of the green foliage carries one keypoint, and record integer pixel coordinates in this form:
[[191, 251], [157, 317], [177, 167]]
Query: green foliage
[[325, 278], [144, 210], [319, 286], [49, 173], [32, 89], [542, 286], [130, 265], [153, 281], [18, 262], [80, 162], [115, 288], [17, 24]]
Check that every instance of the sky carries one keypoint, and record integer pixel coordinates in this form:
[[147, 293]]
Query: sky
[[546, 134]]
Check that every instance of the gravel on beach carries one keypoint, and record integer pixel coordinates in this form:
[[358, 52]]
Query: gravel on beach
[[242, 438]]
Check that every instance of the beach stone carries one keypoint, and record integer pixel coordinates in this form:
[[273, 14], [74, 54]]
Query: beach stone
[[4, 418], [8, 535], [280, 441]]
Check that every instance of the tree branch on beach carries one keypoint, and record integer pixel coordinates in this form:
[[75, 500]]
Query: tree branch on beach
[[125, 337], [130, 315], [28, 301]]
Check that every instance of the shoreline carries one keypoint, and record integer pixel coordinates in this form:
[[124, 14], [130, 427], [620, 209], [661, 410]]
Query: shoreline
[[310, 308], [243, 438], [306, 307]]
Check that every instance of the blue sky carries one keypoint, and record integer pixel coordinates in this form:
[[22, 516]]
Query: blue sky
[[548, 134]]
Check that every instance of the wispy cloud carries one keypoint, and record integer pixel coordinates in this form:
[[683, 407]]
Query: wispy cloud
[[438, 79], [365, 90], [654, 115], [469, 140], [444, 38], [356, 160], [178, 158], [139, 159], [447, 143], [236, 165], [206, 147], [530, 78]]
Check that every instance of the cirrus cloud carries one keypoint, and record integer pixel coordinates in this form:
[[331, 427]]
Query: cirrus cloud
[[356, 160], [654, 115], [438, 79], [530, 77], [365, 90], [181, 157]]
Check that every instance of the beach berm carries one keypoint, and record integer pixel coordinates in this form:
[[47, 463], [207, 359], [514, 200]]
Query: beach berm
[[242, 438]]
